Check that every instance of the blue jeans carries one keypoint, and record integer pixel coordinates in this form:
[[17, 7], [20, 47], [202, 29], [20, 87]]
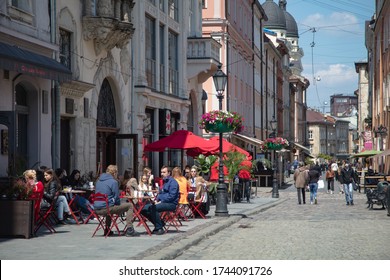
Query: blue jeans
[[348, 190], [313, 191], [152, 212], [82, 203], [62, 207]]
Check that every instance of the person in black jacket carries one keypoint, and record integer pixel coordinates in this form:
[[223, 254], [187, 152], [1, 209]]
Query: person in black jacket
[[347, 177], [52, 187]]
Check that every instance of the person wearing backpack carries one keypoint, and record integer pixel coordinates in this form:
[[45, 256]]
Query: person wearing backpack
[[301, 179]]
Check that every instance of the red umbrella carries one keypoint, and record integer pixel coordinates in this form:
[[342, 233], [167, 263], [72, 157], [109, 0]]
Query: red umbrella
[[183, 140], [226, 147]]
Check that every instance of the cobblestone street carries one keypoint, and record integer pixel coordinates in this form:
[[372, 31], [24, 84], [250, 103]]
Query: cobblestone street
[[329, 230]]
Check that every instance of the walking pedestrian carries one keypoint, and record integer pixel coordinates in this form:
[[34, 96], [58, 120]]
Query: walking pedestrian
[[314, 176], [340, 179], [301, 179], [347, 174], [287, 168], [330, 179]]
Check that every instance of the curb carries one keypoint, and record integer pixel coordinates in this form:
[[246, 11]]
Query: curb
[[173, 247]]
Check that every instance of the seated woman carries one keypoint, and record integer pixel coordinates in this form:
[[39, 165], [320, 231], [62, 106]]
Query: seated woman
[[52, 188], [130, 188], [184, 185], [201, 194], [74, 179], [31, 180]]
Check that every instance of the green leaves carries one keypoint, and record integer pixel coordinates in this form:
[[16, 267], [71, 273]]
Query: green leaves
[[205, 162]]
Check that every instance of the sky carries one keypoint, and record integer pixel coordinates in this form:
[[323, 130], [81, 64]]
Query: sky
[[329, 63]]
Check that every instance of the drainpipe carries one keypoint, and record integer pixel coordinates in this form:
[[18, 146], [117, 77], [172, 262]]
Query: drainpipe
[[12, 129], [56, 97]]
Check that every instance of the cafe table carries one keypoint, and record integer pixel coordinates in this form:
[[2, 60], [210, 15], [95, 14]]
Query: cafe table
[[73, 194], [138, 203]]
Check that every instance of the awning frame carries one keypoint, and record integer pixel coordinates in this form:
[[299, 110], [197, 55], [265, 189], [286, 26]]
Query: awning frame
[[251, 140], [301, 147]]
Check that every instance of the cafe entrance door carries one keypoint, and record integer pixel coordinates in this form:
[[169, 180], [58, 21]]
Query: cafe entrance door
[[118, 149]]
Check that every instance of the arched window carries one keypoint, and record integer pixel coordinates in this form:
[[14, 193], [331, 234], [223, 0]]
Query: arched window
[[106, 116]]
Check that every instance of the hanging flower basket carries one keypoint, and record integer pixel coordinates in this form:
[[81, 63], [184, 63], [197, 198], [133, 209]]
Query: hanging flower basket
[[272, 146], [219, 127], [276, 143], [221, 121]]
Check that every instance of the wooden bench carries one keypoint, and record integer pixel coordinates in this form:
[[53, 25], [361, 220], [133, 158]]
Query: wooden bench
[[372, 186]]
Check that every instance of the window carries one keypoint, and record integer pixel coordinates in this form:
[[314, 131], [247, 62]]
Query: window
[[150, 52], [173, 63], [162, 58], [21, 10], [24, 5], [204, 4], [65, 48], [310, 134], [173, 7]]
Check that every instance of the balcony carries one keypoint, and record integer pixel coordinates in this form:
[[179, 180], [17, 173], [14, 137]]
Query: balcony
[[202, 57], [108, 24]]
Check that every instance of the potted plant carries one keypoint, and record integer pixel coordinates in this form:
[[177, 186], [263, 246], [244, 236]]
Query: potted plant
[[19, 220], [221, 121], [20, 190], [232, 161], [205, 163], [276, 143]]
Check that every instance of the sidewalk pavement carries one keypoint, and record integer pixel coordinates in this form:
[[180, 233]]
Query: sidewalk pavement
[[75, 242]]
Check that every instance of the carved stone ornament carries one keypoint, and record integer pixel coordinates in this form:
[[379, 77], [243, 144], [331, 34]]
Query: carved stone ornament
[[107, 33]]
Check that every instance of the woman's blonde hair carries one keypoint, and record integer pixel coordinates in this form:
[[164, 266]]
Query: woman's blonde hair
[[30, 173]]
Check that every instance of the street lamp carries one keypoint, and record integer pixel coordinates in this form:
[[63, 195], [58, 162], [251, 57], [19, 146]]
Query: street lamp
[[381, 131], [220, 80], [275, 190]]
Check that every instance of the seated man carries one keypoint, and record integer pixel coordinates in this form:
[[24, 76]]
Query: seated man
[[107, 184], [166, 200]]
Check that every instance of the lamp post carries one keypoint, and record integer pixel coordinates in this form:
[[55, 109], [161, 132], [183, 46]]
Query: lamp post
[[275, 189], [220, 80], [381, 131]]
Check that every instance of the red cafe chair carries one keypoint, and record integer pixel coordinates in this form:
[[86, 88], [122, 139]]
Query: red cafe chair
[[102, 219], [171, 219], [47, 217], [92, 214], [196, 205]]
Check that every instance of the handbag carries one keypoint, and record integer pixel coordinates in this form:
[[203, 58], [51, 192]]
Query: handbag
[[321, 184], [354, 185]]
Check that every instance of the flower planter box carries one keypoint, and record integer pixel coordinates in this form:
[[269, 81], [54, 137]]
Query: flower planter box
[[272, 146], [17, 218], [219, 127]]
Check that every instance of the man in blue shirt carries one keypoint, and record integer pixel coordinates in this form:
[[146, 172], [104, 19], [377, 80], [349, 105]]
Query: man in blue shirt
[[166, 200]]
